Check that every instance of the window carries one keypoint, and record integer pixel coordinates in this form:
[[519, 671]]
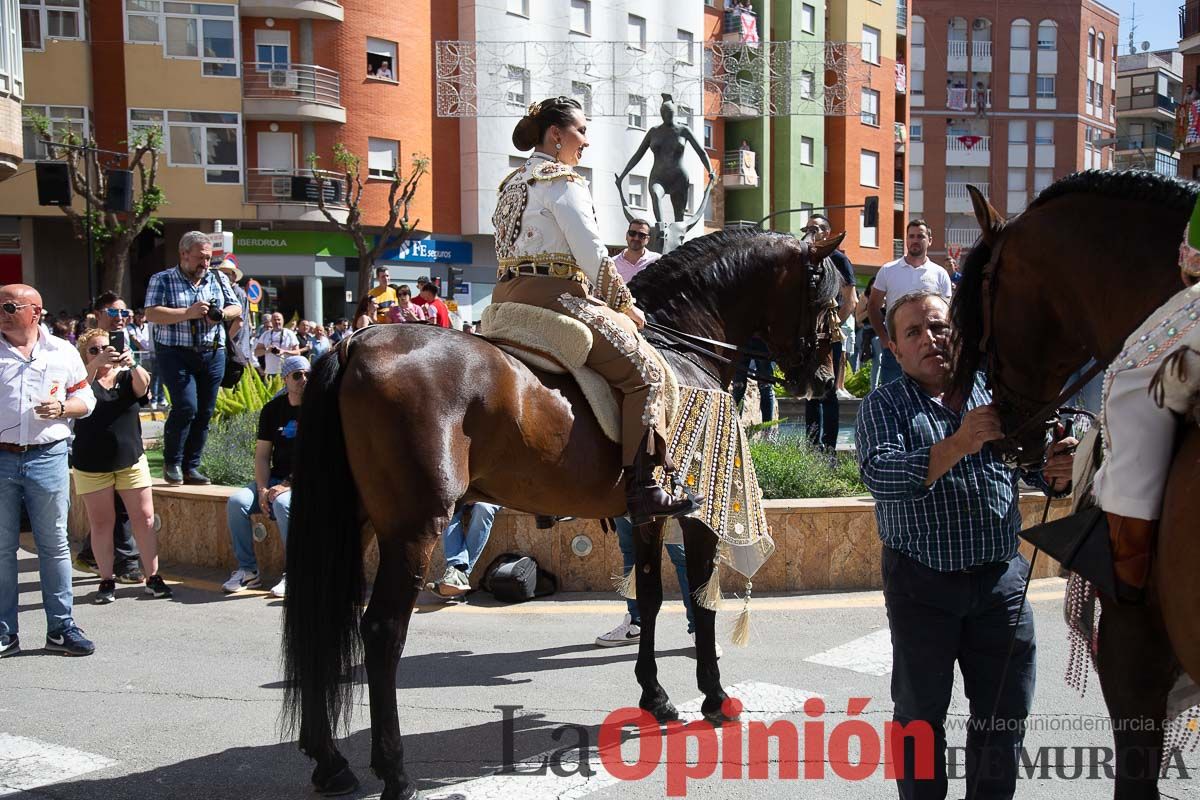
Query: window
[[1091, 42], [1018, 84], [686, 45], [637, 191], [918, 32], [867, 237], [518, 7], [50, 19], [204, 139], [63, 120], [1018, 131], [381, 59], [1042, 178], [586, 174], [1043, 132], [583, 93], [581, 17], [806, 150], [870, 108], [806, 84], [916, 132], [1045, 86], [1019, 37], [868, 168], [272, 50], [635, 113], [636, 32], [916, 81], [709, 134], [1100, 46], [808, 18], [916, 178], [382, 157], [517, 93], [686, 116], [1047, 35], [870, 47], [1016, 179], [203, 31], [1090, 91]]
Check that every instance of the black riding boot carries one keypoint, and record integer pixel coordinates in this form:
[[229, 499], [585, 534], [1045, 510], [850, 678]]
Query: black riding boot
[[645, 499]]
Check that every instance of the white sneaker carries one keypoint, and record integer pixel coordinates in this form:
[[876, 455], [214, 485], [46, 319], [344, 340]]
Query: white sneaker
[[720, 652], [240, 580], [844, 394], [280, 589], [625, 633]]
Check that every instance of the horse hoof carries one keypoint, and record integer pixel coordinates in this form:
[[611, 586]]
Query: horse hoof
[[344, 781], [728, 710], [663, 712], [408, 793]]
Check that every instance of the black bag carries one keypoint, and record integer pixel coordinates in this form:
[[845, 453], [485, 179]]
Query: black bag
[[515, 578], [233, 371]]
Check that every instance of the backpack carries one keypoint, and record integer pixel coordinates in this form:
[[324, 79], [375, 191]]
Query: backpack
[[515, 578]]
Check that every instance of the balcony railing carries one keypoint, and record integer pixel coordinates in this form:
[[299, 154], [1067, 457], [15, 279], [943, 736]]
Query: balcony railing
[[1189, 19], [898, 194], [1146, 101], [294, 187], [960, 98], [961, 237], [1147, 141], [968, 144], [981, 49], [956, 48], [956, 190], [294, 9], [739, 169], [304, 83], [902, 17]]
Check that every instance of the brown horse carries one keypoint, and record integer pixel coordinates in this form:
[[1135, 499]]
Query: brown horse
[[1067, 281], [404, 421]]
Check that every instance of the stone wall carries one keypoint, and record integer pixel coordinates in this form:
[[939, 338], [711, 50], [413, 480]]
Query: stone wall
[[821, 545]]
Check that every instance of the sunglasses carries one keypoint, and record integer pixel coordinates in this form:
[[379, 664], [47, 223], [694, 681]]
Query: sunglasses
[[95, 351], [298, 374], [636, 235], [119, 312], [12, 308]]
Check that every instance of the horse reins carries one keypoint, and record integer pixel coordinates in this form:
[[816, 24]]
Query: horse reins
[[697, 344]]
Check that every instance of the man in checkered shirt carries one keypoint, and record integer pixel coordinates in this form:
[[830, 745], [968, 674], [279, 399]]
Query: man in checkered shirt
[[947, 511], [189, 306]]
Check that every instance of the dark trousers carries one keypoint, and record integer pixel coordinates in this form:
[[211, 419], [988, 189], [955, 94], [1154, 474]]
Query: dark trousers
[[766, 389], [821, 414], [937, 619], [193, 378], [125, 550]]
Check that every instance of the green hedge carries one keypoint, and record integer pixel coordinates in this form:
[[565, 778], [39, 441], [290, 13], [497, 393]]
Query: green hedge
[[228, 457], [789, 467]]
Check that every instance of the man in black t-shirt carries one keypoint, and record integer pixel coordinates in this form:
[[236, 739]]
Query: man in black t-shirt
[[272, 489], [821, 414]]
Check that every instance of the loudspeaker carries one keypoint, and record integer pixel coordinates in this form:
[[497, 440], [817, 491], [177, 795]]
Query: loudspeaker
[[53, 183], [119, 196]]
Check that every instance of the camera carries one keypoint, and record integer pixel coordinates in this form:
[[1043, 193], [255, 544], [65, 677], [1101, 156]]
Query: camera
[[215, 314], [274, 350]]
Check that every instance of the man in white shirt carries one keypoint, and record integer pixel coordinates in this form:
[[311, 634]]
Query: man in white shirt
[[43, 385], [276, 343], [635, 257], [912, 273]]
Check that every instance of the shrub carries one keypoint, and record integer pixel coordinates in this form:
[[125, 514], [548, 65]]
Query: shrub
[[228, 457], [789, 467], [250, 395], [859, 384]]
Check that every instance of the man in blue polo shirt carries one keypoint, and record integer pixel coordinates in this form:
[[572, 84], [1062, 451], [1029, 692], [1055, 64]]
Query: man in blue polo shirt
[[947, 511]]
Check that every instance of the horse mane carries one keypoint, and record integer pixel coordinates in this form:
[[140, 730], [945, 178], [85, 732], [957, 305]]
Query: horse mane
[[694, 276], [966, 312]]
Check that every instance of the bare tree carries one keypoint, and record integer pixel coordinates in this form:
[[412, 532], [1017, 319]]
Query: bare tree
[[394, 232], [113, 232]]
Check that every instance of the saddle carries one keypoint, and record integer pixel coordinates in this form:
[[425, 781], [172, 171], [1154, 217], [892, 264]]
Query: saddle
[[556, 343]]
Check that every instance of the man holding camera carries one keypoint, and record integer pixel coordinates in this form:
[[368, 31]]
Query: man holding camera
[[275, 344], [188, 305]]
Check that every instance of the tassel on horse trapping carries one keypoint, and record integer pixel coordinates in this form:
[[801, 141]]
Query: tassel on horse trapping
[[741, 626], [626, 585], [709, 595]]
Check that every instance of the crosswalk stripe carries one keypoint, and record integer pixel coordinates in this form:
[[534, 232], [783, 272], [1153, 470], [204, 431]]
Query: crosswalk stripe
[[30, 763], [870, 654]]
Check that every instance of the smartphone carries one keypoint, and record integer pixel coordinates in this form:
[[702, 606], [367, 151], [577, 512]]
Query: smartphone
[[117, 340]]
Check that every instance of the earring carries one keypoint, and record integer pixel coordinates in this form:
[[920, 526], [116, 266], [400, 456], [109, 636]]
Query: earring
[[557, 148]]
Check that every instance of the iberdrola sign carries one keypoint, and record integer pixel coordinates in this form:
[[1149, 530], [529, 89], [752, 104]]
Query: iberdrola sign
[[321, 243]]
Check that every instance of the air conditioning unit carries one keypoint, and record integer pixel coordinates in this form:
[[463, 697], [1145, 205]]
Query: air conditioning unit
[[979, 24], [281, 186], [282, 79]]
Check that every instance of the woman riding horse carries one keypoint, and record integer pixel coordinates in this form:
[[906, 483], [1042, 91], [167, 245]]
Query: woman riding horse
[[551, 256]]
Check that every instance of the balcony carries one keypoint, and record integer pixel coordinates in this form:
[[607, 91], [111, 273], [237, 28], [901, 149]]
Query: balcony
[[981, 56], [292, 92], [961, 237], [898, 195], [1147, 141], [739, 170], [956, 55], [1147, 105], [294, 9], [1189, 27], [291, 195], [959, 98], [958, 199], [968, 151], [897, 248], [740, 26], [901, 18]]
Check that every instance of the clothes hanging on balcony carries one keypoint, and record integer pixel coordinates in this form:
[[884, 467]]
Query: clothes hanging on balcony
[[956, 99], [901, 77], [749, 27], [969, 142]]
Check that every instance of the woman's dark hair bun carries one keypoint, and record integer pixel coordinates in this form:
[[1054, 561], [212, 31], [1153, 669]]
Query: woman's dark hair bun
[[541, 116]]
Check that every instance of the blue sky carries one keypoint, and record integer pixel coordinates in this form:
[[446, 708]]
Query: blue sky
[[1157, 23]]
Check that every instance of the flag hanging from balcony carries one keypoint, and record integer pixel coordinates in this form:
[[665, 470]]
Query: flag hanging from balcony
[[749, 27], [969, 142], [901, 77]]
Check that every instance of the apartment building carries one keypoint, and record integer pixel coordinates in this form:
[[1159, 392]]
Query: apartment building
[[12, 92], [1189, 50], [244, 92], [1008, 97], [1149, 86]]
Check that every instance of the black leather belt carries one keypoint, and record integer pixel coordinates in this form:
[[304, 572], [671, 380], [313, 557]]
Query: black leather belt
[[9, 447]]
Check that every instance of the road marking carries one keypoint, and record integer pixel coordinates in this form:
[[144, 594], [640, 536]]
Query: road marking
[[763, 702], [29, 763], [870, 654]]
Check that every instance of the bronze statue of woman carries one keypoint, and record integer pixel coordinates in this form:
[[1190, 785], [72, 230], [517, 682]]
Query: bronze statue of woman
[[667, 176]]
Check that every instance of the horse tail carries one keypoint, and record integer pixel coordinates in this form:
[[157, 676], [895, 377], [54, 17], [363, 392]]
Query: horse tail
[[321, 639]]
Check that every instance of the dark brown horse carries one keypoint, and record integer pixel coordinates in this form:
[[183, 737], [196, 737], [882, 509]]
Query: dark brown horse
[[491, 429], [1067, 281]]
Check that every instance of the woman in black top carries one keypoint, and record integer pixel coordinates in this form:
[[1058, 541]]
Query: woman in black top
[[108, 454]]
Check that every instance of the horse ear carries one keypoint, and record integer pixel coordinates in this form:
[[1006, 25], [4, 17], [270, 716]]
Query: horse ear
[[821, 250], [990, 221]]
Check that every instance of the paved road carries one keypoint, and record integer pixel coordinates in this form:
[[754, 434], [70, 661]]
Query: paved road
[[182, 698]]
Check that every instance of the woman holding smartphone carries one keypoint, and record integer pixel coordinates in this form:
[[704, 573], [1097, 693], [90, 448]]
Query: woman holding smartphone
[[108, 455]]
